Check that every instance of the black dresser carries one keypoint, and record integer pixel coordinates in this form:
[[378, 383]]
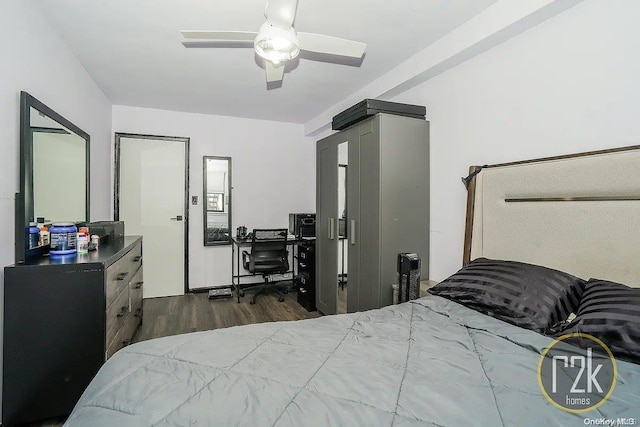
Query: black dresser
[[62, 319], [305, 280]]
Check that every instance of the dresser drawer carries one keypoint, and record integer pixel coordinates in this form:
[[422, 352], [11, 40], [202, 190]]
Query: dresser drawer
[[135, 294], [123, 336], [117, 314], [134, 257], [121, 272]]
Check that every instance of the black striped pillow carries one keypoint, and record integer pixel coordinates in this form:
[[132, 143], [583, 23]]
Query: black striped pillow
[[611, 312], [526, 295]]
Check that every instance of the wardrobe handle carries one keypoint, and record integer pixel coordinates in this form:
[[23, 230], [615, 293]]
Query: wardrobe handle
[[331, 228], [123, 311], [352, 232], [121, 276]]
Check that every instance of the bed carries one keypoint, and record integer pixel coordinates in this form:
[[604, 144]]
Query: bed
[[434, 361]]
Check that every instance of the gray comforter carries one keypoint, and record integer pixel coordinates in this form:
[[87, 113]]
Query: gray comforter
[[430, 362]]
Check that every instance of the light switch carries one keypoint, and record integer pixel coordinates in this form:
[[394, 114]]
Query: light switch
[[194, 200]]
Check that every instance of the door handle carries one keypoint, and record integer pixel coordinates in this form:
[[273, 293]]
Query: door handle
[[177, 218]]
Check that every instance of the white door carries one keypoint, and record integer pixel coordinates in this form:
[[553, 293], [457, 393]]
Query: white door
[[152, 191]]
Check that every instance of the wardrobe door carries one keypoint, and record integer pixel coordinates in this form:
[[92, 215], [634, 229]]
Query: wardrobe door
[[367, 222], [327, 224]]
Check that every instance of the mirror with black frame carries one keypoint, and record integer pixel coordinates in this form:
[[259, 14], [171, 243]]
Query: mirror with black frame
[[54, 174], [217, 200]]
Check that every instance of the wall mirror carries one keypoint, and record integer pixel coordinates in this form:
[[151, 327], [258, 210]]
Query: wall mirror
[[343, 251], [217, 200], [54, 172]]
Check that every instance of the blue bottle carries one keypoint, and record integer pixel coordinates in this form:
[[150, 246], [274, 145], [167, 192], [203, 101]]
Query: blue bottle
[[34, 235], [63, 239]]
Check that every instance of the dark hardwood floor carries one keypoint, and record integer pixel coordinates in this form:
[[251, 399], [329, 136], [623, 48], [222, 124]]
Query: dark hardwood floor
[[342, 299], [196, 312]]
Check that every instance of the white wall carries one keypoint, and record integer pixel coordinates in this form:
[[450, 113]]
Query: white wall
[[273, 174], [36, 60], [567, 85]]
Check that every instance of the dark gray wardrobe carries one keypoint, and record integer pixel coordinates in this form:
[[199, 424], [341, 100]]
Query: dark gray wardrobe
[[372, 202]]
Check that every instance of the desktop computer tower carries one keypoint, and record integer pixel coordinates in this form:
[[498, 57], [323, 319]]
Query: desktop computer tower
[[408, 276]]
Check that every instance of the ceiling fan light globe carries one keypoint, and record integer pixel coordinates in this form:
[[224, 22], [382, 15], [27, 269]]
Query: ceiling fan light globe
[[276, 44], [277, 50]]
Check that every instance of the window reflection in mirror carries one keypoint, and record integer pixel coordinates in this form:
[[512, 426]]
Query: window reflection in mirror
[[217, 200], [59, 171]]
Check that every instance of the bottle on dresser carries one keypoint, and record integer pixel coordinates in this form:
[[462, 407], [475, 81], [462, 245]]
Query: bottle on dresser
[[83, 240]]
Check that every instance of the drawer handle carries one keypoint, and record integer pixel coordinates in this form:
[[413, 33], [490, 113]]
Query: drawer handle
[[138, 258], [123, 311], [126, 342], [138, 312], [138, 285], [122, 276]]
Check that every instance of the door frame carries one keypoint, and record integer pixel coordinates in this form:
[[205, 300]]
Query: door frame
[[116, 188]]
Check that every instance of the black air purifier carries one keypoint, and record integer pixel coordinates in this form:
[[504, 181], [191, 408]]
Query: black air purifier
[[408, 276]]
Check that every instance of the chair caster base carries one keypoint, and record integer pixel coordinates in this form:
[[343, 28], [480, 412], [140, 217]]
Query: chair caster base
[[281, 299]]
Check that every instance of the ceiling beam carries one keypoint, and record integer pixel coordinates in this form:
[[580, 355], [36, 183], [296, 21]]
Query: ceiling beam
[[498, 23]]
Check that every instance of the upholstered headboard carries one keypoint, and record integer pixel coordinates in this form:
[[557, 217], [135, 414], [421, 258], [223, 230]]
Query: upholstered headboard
[[578, 213]]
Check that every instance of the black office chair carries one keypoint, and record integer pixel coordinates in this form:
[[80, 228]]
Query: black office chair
[[268, 256]]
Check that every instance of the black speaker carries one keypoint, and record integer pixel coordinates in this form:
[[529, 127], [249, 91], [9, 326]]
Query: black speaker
[[408, 277]]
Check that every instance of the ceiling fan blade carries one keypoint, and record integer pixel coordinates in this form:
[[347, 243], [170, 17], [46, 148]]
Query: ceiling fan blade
[[231, 36], [206, 44], [321, 43], [274, 73], [281, 13]]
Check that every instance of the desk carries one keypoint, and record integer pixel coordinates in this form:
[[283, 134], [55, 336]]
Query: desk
[[237, 243]]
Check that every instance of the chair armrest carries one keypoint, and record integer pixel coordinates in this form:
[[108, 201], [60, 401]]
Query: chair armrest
[[248, 261]]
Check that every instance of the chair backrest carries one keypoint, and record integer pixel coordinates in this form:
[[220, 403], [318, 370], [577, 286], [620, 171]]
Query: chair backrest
[[269, 239], [269, 249]]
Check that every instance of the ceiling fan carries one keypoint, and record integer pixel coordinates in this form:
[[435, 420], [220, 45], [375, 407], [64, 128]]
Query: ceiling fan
[[277, 41]]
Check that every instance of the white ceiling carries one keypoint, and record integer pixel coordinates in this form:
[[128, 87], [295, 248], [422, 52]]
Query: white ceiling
[[133, 50]]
